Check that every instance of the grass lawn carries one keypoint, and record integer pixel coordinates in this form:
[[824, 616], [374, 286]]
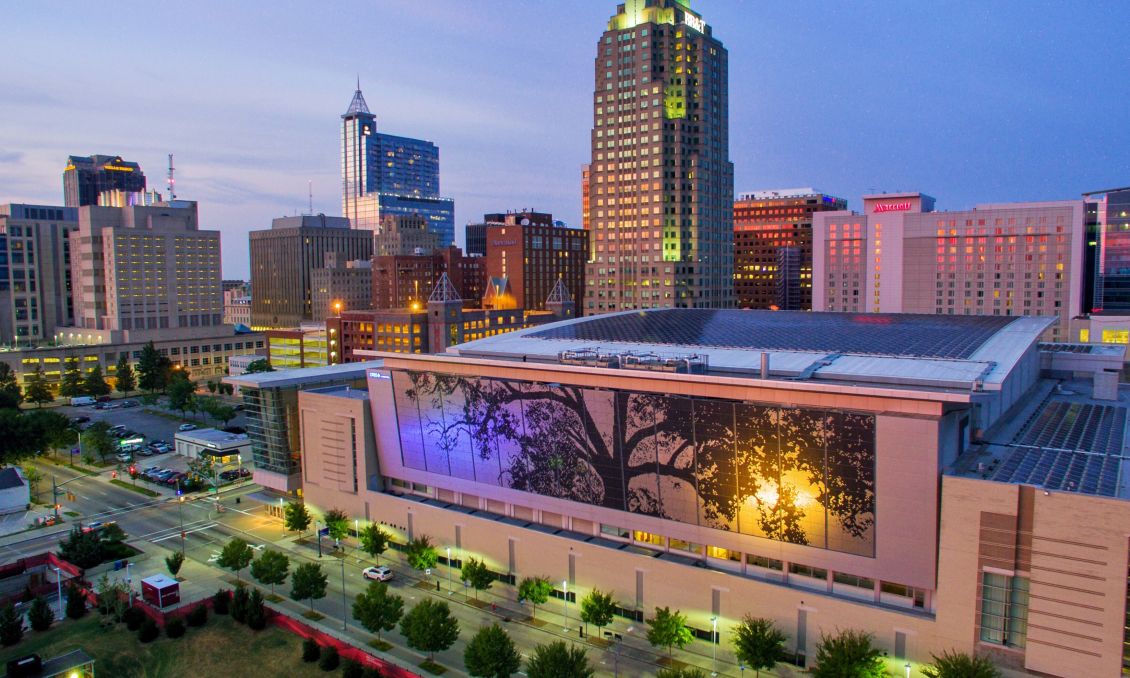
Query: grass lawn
[[220, 648], [136, 488]]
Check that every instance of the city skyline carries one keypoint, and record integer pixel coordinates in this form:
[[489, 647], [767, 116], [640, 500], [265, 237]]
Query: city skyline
[[822, 103]]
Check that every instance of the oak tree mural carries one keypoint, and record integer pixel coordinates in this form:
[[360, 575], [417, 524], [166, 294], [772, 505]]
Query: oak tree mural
[[799, 475]]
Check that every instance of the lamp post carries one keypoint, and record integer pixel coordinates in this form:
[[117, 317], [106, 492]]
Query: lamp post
[[907, 667], [129, 584], [282, 514], [319, 533], [59, 586], [344, 609], [180, 511], [449, 566], [714, 645], [565, 602]]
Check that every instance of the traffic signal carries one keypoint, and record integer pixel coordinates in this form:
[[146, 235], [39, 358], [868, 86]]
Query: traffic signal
[[132, 470], [113, 475]]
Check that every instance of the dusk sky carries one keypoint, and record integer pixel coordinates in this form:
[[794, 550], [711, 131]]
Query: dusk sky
[[969, 101]]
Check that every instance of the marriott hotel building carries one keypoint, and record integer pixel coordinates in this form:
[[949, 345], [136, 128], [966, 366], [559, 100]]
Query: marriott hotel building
[[941, 482]]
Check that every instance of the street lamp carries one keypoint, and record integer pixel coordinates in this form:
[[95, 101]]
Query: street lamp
[[180, 511], [129, 584], [344, 609], [59, 586], [565, 602], [714, 645], [907, 667], [449, 566]]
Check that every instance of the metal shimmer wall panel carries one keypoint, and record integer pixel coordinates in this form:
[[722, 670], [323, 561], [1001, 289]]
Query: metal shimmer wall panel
[[798, 475]]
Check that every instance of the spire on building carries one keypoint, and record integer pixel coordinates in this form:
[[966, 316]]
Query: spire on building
[[358, 104], [444, 291], [559, 294]]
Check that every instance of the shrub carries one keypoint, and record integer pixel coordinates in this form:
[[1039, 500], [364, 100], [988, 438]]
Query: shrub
[[133, 617], [330, 659], [239, 602], [198, 616], [256, 612], [311, 650], [40, 615], [351, 669], [175, 628], [372, 672], [76, 602], [11, 626], [148, 631], [221, 602]]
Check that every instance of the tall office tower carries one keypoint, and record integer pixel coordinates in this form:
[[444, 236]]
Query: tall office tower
[[386, 174], [145, 270], [533, 253], [900, 256], [404, 234], [35, 271], [85, 178], [661, 185], [283, 257], [1109, 226], [773, 247]]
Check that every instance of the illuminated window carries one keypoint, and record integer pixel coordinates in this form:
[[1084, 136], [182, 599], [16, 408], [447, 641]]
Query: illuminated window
[[1004, 609], [1085, 336], [1116, 336]]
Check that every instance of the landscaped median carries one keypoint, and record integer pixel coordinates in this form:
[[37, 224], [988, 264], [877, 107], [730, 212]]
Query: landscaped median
[[136, 488]]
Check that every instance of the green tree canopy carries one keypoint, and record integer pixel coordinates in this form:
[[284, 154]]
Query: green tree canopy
[[378, 609], [235, 556], [36, 389], [182, 393], [374, 540], [597, 608], [961, 665], [11, 626], [71, 384], [20, 437], [668, 629], [125, 380], [10, 394], [271, 568], [758, 643], [97, 439], [174, 562], [308, 583], [536, 590], [430, 627], [56, 427], [257, 366], [94, 383], [682, 672], [338, 523], [40, 615], [476, 573], [559, 660], [296, 516], [153, 369], [421, 553], [491, 654], [848, 653]]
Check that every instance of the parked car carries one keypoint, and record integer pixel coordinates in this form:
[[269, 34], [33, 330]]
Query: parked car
[[379, 573], [186, 427], [129, 403], [80, 420], [175, 478], [125, 457], [103, 399]]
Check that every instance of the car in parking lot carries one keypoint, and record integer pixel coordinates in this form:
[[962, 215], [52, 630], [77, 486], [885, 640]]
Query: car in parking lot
[[129, 403], [80, 420], [175, 478], [378, 573], [125, 457], [186, 427]]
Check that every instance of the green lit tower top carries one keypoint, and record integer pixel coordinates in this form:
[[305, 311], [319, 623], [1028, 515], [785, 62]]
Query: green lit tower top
[[660, 182]]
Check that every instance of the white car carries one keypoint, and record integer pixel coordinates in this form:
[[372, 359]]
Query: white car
[[186, 427], [380, 573]]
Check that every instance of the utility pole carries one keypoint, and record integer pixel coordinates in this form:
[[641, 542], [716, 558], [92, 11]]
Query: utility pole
[[344, 609]]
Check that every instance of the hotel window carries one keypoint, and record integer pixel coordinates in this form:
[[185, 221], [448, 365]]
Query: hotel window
[[1004, 609], [763, 562]]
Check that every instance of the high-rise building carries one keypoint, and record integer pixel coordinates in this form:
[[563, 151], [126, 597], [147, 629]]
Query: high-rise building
[[145, 271], [283, 257], [773, 247], [1109, 222], [387, 174], [340, 285], [35, 271], [85, 178], [532, 252], [661, 185], [404, 234], [405, 280], [900, 256]]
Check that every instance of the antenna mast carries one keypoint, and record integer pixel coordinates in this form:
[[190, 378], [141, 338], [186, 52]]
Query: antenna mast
[[310, 188], [172, 181]]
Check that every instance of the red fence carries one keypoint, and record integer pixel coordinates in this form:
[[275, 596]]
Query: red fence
[[49, 559]]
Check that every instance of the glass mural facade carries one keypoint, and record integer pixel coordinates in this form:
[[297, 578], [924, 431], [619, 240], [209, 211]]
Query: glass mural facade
[[799, 475]]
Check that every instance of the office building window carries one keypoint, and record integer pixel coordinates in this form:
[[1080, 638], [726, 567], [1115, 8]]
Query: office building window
[[1004, 609]]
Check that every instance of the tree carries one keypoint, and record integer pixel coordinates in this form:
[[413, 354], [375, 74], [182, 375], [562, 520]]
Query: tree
[[235, 556], [152, 369], [429, 627], [36, 389], [57, 429], [668, 629], [76, 602], [338, 523], [961, 665], [125, 381], [83, 549], [174, 562], [330, 659], [182, 393], [10, 395], [33, 478], [212, 387], [491, 654], [40, 616], [11, 626], [71, 385], [374, 540], [758, 643], [217, 410], [848, 653], [559, 660], [377, 609], [297, 517], [421, 554], [597, 609], [477, 574], [308, 583], [257, 366], [94, 384], [21, 437], [97, 439], [536, 590], [271, 568]]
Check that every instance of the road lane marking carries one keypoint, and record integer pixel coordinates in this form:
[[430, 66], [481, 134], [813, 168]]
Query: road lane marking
[[186, 533]]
